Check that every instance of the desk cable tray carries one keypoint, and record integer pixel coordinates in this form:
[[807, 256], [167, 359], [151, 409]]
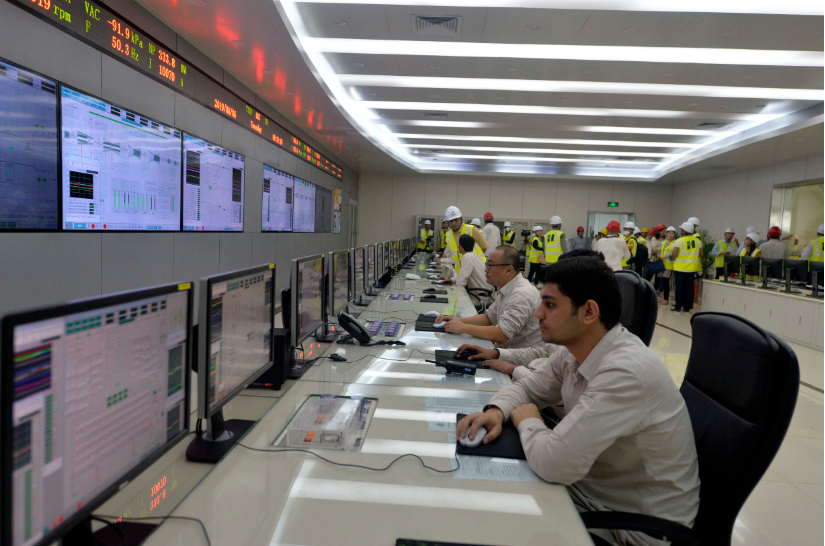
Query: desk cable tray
[[338, 423]]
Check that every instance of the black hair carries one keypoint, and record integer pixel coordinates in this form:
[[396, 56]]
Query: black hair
[[509, 256], [486, 221], [467, 242], [587, 277]]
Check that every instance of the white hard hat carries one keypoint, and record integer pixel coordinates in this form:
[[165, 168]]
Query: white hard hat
[[476, 222], [753, 236], [629, 225], [506, 224], [555, 220], [538, 228], [452, 213], [687, 226], [750, 229], [729, 230], [427, 222], [671, 228], [693, 220], [636, 231], [820, 231]]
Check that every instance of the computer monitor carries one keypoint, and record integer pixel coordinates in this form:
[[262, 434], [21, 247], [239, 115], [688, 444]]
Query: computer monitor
[[357, 275], [378, 250], [323, 210], [732, 264], [372, 268], [750, 266], [338, 289], [236, 317], [121, 171], [387, 264], [276, 207], [28, 150], [816, 267], [799, 270], [213, 188], [773, 268], [303, 214], [307, 280], [96, 391]]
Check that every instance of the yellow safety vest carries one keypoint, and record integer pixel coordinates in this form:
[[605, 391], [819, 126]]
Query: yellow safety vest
[[756, 253], [422, 239], [509, 238], [665, 251], [641, 240], [720, 259], [818, 251], [631, 246], [443, 241], [688, 259], [465, 229], [552, 246], [532, 253]]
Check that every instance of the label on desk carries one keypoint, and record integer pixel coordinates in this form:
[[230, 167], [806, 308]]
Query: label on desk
[[488, 468], [452, 405]]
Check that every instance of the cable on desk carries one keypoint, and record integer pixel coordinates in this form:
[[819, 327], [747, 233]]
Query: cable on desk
[[117, 519]]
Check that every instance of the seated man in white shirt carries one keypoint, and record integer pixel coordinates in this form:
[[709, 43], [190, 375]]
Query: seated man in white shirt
[[509, 321], [626, 442], [472, 274]]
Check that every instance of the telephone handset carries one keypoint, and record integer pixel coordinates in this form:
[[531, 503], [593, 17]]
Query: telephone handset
[[354, 328]]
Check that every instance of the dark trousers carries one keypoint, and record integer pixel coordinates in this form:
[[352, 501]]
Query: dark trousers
[[531, 274], [684, 290], [665, 285]]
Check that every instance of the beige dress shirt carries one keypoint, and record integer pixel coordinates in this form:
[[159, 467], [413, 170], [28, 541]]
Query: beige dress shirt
[[480, 241], [614, 249], [492, 235], [774, 249], [513, 313], [528, 359], [472, 273], [625, 443]]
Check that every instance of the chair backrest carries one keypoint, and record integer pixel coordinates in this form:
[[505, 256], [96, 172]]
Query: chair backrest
[[639, 305], [740, 388]]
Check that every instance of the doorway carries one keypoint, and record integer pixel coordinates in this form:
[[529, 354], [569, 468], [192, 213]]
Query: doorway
[[597, 221]]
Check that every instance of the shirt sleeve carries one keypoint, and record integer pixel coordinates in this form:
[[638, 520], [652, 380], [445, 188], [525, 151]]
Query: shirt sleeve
[[479, 238], [537, 244], [715, 251], [515, 315], [492, 311], [466, 271], [542, 388], [625, 252], [806, 252], [565, 246], [522, 357]]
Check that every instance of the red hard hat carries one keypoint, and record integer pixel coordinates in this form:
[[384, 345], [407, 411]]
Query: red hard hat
[[580, 228], [613, 225], [488, 215], [660, 227], [774, 232]]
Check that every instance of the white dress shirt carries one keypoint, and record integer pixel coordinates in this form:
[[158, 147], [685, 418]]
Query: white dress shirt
[[492, 235], [472, 272], [528, 359], [614, 249], [625, 443], [513, 313]]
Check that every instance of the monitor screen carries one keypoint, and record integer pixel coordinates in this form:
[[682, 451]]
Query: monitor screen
[[276, 210], [99, 392], [340, 281], [358, 286], [323, 210], [379, 260], [28, 149], [121, 170], [237, 328], [371, 265], [387, 263], [309, 309], [213, 187], [304, 214]]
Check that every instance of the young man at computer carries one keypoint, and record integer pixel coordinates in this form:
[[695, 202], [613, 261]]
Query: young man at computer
[[472, 274], [625, 443]]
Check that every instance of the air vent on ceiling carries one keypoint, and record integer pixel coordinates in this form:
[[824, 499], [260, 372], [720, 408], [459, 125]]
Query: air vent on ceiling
[[435, 115], [436, 26], [715, 125]]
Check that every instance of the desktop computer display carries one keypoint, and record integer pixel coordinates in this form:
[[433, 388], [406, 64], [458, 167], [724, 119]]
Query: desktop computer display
[[323, 210], [303, 214], [339, 282], [387, 264], [372, 264], [276, 207], [121, 170], [357, 272], [377, 250], [307, 297], [213, 188], [28, 149], [96, 391]]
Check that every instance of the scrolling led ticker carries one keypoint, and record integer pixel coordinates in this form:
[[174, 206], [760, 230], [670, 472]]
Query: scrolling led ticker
[[113, 35]]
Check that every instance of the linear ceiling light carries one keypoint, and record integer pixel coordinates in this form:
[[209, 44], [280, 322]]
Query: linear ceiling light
[[643, 130], [750, 57], [546, 86], [538, 150], [548, 159], [579, 142], [433, 123]]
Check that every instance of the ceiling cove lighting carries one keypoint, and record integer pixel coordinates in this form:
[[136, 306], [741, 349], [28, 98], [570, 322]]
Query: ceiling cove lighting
[[545, 86], [433, 123], [539, 150], [747, 57], [580, 142], [548, 159], [643, 130]]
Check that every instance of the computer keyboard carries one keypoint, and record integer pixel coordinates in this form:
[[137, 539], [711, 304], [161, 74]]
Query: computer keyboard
[[381, 328]]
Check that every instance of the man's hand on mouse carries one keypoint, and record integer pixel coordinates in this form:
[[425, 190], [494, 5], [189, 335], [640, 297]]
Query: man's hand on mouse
[[492, 420], [455, 327], [527, 411], [445, 279], [501, 365], [480, 353], [444, 318]]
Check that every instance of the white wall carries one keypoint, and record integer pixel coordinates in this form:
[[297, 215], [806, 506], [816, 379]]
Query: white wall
[[388, 203], [42, 268]]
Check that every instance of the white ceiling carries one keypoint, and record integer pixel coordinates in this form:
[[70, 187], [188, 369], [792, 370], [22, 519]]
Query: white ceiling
[[366, 94]]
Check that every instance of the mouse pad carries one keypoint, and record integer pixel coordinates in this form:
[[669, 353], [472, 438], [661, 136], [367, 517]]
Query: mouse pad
[[447, 357], [433, 299], [427, 326], [434, 291], [425, 318], [506, 446]]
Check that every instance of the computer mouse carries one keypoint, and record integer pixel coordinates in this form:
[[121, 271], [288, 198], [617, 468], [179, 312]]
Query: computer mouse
[[480, 434], [432, 277], [430, 270], [464, 355], [427, 298], [431, 314], [439, 324], [429, 290], [439, 282]]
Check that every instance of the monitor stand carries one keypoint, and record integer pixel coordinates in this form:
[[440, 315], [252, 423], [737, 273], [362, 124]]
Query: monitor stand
[[370, 292], [217, 440], [82, 535], [325, 335], [361, 302]]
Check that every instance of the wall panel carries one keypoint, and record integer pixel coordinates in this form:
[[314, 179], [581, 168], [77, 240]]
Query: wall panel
[[506, 197]]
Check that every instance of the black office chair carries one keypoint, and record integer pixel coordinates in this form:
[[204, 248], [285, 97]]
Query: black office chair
[[481, 298], [740, 389], [639, 305]]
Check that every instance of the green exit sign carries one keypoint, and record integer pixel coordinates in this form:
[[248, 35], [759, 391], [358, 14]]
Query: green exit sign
[[612, 203]]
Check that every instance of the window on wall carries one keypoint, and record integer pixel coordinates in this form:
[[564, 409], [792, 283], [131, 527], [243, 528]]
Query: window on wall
[[797, 209]]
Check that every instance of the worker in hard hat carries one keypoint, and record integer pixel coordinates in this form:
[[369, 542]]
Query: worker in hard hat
[[457, 229], [663, 277], [750, 246], [579, 241], [630, 240], [602, 233], [476, 222], [695, 221], [638, 261], [425, 237], [641, 235], [613, 247], [766, 239], [687, 255], [509, 236], [654, 247], [728, 246], [814, 251], [555, 242], [491, 233], [774, 247], [535, 253], [442, 236]]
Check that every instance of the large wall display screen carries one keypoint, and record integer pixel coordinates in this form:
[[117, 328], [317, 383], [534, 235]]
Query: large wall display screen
[[323, 210], [304, 214], [276, 209], [28, 150], [213, 187], [121, 170]]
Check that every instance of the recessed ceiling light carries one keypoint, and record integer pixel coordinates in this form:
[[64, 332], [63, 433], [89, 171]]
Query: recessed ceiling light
[[198, 3], [358, 65], [589, 71], [435, 67], [629, 30], [532, 27], [748, 77], [239, 43], [668, 74], [340, 22], [730, 33], [582, 142]]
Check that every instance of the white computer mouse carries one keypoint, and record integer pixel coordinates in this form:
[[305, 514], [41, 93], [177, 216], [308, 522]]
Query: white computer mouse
[[433, 277], [439, 281], [480, 434], [439, 324], [431, 314], [431, 271]]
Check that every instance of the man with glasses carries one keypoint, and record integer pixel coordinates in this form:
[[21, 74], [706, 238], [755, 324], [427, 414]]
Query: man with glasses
[[472, 273], [509, 321]]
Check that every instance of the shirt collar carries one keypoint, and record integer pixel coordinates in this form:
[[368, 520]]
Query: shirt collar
[[510, 286], [599, 352]]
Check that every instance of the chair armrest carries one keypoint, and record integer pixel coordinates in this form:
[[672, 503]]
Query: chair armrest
[[482, 291], [659, 528]]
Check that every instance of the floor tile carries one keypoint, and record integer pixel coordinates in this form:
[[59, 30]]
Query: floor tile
[[799, 460], [779, 514], [813, 490], [771, 476]]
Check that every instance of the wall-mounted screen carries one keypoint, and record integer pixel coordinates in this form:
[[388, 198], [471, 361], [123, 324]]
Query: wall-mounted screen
[[303, 217], [28, 149], [276, 210], [323, 210], [212, 187], [121, 170]]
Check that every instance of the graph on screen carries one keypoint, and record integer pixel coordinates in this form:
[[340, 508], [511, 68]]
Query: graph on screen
[[213, 187], [28, 150], [304, 214], [276, 210], [121, 170]]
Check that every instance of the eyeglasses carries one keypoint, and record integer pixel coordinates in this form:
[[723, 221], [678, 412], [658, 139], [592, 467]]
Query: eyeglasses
[[488, 266]]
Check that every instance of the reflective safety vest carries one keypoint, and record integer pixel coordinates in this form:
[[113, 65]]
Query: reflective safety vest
[[631, 244], [756, 253], [533, 254], [688, 259], [641, 240], [425, 234], [465, 229], [508, 238], [665, 251], [443, 241], [818, 251], [552, 246], [720, 259]]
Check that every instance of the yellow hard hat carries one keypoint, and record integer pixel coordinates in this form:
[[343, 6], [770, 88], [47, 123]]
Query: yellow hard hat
[[644, 230], [603, 232]]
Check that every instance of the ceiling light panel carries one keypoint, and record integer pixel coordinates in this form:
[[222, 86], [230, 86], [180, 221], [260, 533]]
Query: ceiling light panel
[[570, 141], [540, 150], [548, 159]]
